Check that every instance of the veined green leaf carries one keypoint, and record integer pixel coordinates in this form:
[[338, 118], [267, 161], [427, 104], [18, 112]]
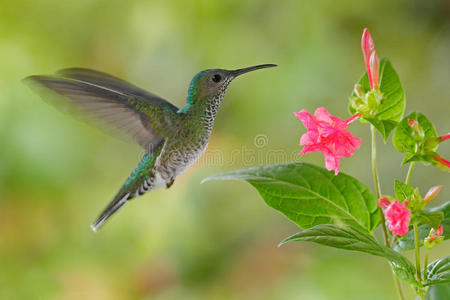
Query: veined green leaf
[[385, 127], [390, 111], [353, 239], [438, 292], [417, 146], [438, 272], [309, 195], [432, 219], [404, 191]]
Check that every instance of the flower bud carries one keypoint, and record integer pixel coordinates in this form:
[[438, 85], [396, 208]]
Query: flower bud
[[416, 127], [374, 65], [445, 137], [432, 193], [434, 237], [442, 161], [383, 202], [372, 101], [358, 90], [413, 124], [434, 234], [367, 47]]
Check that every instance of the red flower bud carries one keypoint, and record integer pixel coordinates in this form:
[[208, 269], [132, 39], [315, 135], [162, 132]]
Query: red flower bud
[[367, 46], [370, 58], [432, 193], [374, 64], [383, 202], [413, 124], [435, 234], [442, 161], [445, 137]]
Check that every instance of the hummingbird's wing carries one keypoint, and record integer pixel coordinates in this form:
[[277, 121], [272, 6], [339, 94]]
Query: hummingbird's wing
[[99, 96]]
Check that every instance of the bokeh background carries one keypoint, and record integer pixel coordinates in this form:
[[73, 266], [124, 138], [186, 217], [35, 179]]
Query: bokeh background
[[217, 240]]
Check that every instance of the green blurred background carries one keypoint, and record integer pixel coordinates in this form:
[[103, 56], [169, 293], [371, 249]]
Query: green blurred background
[[217, 240]]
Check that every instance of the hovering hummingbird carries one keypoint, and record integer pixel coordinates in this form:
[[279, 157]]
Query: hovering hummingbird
[[173, 138]]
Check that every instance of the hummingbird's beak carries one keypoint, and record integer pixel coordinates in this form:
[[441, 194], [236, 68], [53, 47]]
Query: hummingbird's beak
[[238, 72]]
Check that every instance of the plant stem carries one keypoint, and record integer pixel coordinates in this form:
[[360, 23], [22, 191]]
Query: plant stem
[[416, 240], [374, 161], [418, 272], [376, 182], [425, 265], [398, 285], [410, 170]]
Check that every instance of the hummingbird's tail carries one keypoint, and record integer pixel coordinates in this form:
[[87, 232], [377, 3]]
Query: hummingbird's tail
[[140, 181], [118, 201]]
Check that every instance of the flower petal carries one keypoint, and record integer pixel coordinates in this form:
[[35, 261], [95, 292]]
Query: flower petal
[[331, 161], [309, 138], [329, 135], [322, 114], [307, 119]]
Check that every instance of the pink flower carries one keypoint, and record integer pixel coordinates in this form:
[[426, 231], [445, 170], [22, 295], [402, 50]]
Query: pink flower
[[329, 135], [370, 58], [435, 234], [398, 217]]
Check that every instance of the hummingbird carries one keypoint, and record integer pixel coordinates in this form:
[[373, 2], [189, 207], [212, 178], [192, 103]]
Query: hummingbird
[[173, 138]]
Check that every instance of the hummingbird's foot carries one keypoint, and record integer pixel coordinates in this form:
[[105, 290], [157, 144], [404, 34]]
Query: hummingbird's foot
[[169, 184]]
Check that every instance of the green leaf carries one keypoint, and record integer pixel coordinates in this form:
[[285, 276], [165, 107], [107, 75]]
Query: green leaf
[[417, 146], [353, 239], [438, 292], [426, 157], [390, 111], [393, 105], [406, 242], [385, 127], [430, 218], [309, 195], [342, 237], [438, 272], [404, 191]]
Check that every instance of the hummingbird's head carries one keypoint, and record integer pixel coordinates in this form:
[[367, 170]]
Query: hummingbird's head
[[213, 83]]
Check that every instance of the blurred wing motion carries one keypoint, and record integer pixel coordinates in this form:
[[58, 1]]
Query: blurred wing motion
[[124, 106]]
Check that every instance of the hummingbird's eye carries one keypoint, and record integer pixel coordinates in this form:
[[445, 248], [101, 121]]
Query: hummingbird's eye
[[216, 78]]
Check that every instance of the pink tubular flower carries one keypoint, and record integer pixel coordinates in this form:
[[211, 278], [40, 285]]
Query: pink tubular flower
[[329, 135], [435, 234], [445, 137], [398, 217], [370, 58], [442, 161]]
